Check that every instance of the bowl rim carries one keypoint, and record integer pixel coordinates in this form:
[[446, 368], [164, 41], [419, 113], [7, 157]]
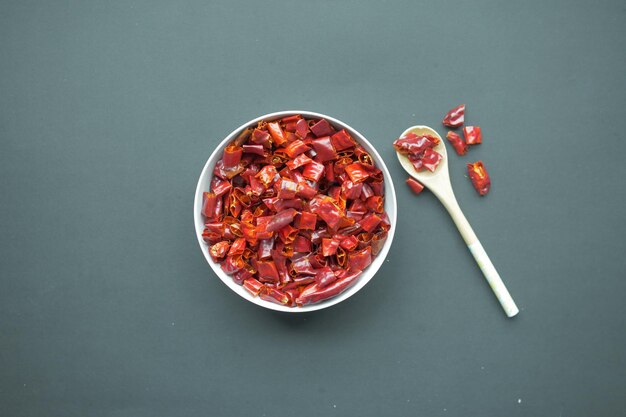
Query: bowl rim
[[368, 273]]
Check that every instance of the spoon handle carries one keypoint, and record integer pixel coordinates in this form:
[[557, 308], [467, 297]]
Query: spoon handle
[[480, 255]]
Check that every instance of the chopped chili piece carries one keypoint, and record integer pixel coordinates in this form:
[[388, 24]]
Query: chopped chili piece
[[349, 243], [298, 161], [419, 150], [260, 137], [301, 244], [273, 295], [369, 222], [414, 185], [313, 171], [342, 140], [267, 271], [209, 204], [357, 172], [280, 220], [295, 148], [219, 250], [455, 117], [411, 143], [306, 221], [479, 176], [277, 133], [313, 293], [325, 276], [430, 159], [329, 246], [255, 149], [267, 175], [375, 203], [253, 286], [324, 150], [472, 135], [302, 128], [232, 156], [237, 247], [295, 209], [322, 128], [358, 261], [457, 142], [287, 188]]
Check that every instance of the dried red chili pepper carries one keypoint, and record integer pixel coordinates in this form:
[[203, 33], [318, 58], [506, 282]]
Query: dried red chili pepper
[[253, 286], [313, 293], [313, 171], [357, 172], [329, 246], [455, 117], [419, 150], [479, 176], [295, 148], [277, 133], [414, 185], [324, 150], [472, 135], [321, 128], [295, 210], [457, 142], [342, 140], [232, 156], [273, 295], [219, 250], [430, 159]]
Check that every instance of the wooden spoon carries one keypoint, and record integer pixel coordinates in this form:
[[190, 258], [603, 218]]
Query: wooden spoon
[[438, 183]]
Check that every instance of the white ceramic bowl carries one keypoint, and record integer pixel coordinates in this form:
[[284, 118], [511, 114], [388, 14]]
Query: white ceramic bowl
[[390, 207]]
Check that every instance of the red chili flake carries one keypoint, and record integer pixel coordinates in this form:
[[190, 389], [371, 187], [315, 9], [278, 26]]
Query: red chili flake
[[455, 117], [414, 185], [457, 142], [295, 210], [479, 176], [472, 135]]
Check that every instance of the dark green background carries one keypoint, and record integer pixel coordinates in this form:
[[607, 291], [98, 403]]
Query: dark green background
[[109, 110]]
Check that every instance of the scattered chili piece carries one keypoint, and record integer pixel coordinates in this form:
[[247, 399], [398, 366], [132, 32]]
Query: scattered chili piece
[[472, 135], [479, 176], [455, 117], [457, 142], [295, 210], [414, 185]]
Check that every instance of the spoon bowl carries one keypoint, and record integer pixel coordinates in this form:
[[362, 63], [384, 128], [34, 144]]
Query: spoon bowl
[[438, 183]]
